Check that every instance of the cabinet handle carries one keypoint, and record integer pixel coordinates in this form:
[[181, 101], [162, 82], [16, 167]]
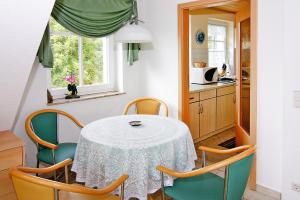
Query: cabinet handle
[[192, 98], [234, 99], [201, 108]]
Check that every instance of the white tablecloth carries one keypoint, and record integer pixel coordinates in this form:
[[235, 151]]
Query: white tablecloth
[[110, 147]]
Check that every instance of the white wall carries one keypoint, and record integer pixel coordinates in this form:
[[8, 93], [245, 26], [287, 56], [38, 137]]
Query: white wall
[[22, 25], [35, 97], [160, 64], [270, 93], [291, 71], [160, 60], [86, 111]]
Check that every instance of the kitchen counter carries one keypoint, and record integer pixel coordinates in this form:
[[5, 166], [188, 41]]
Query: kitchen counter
[[198, 88]]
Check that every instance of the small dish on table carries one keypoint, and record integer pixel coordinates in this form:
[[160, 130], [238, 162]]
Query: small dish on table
[[135, 123]]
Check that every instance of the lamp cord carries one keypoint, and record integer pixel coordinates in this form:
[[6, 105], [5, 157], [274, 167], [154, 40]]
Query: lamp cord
[[135, 16]]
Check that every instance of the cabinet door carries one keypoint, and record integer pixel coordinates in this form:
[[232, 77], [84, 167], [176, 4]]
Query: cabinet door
[[225, 110], [207, 116], [194, 119]]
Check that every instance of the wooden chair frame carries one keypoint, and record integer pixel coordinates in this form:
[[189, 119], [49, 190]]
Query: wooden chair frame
[[37, 139], [22, 173], [162, 104], [246, 151]]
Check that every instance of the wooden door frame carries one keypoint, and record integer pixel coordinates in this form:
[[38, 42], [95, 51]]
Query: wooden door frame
[[183, 55]]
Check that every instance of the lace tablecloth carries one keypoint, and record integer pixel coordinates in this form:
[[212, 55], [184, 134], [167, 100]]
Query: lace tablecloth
[[110, 147]]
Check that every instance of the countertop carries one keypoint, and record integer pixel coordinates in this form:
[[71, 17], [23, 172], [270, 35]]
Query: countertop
[[198, 88]]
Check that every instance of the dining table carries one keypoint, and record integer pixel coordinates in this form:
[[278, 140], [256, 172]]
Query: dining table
[[110, 147]]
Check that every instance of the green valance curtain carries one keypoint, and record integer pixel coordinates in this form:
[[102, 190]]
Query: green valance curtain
[[89, 18]]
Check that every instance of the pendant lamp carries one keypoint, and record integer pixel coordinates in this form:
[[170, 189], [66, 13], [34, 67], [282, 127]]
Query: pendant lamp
[[133, 32]]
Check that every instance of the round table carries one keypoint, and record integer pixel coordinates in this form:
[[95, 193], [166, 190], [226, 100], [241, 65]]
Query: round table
[[110, 147]]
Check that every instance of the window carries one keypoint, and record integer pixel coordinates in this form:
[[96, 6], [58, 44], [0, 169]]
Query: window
[[216, 45], [89, 59]]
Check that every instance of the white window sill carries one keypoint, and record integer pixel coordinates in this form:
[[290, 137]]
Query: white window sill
[[85, 97]]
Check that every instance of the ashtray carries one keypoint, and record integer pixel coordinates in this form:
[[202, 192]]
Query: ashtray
[[135, 123]]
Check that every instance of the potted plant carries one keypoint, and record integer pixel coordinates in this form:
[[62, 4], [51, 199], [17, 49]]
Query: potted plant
[[71, 87]]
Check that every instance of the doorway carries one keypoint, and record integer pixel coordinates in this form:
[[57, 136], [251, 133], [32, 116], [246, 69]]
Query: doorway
[[245, 62]]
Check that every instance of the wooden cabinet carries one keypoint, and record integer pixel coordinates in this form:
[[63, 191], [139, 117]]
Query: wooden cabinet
[[194, 119], [11, 155], [194, 97], [225, 110], [211, 111], [207, 116]]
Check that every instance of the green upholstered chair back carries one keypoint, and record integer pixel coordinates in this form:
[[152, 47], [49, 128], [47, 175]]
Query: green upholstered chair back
[[237, 177], [44, 125]]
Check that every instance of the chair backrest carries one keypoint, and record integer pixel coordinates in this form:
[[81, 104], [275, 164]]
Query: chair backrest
[[36, 188], [44, 125], [237, 177], [27, 187], [41, 126], [148, 106]]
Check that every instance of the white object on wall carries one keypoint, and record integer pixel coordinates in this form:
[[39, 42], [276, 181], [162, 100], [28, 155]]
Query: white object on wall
[[297, 99], [133, 33]]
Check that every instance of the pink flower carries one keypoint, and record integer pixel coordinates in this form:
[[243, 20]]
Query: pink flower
[[71, 79]]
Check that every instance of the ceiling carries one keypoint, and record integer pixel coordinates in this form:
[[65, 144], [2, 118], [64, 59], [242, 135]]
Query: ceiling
[[234, 6]]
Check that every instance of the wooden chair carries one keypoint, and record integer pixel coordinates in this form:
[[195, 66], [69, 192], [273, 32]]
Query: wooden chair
[[148, 106], [202, 184], [42, 127], [30, 187]]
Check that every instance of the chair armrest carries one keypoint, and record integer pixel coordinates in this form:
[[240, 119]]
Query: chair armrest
[[77, 122], [209, 168], [190, 173], [85, 190], [125, 111], [36, 139], [229, 151], [47, 169]]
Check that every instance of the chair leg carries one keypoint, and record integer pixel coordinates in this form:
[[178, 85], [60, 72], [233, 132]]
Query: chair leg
[[54, 175], [162, 186], [37, 165], [53, 157], [66, 174]]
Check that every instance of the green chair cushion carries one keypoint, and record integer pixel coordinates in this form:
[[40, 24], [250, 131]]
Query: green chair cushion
[[44, 126], [207, 187], [64, 151]]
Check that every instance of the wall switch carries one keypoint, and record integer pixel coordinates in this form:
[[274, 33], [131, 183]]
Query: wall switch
[[296, 187], [297, 99]]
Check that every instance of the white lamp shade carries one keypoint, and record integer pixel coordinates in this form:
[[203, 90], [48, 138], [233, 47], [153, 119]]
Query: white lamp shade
[[133, 33]]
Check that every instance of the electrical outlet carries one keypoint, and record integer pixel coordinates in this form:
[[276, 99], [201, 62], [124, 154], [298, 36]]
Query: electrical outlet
[[296, 187]]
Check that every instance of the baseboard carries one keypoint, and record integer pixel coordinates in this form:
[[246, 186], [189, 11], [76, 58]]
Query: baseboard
[[269, 192]]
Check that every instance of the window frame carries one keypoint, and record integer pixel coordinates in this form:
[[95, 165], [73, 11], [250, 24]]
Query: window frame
[[109, 70], [223, 24]]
